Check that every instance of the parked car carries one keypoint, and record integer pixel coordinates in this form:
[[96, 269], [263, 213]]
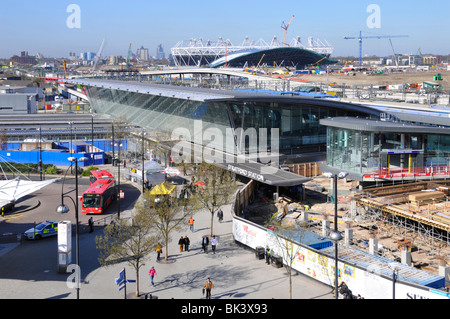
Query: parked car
[[45, 229]]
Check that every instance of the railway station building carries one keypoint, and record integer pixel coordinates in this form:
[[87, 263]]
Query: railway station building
[[203, 115], [390, 149], [370, 143]]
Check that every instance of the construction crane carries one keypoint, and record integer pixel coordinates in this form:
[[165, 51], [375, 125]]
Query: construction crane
[[135, 60], [395, 55], [128, 58], [97, 57], [286, 27], [360, 38], [419, 53]]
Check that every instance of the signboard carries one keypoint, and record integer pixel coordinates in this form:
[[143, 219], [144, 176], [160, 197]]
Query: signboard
[[172, 171], [122, 281], [64, 245], [366, 281], [246, 173], [65, 236]]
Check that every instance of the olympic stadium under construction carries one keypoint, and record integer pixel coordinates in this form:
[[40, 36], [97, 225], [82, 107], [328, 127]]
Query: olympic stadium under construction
[[251, 53]]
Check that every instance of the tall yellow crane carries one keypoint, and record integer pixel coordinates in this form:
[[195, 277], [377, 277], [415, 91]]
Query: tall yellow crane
[[286, 27]]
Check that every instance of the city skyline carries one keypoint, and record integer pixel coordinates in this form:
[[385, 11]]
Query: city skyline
[[58, 27]]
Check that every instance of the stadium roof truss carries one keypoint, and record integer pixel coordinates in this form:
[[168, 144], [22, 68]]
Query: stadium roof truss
[[199, 52]]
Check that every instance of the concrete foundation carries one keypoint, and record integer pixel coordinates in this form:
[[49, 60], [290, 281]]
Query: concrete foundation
[[373, 246], [325, 228], [406, 257], [444, 271], [348, 236], [304, 217]]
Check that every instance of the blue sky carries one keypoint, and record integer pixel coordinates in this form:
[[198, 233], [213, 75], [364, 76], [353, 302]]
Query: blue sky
[[40, 26]]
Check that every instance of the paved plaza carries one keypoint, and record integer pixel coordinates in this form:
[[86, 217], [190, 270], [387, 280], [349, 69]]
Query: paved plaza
[[234, 270], [28, 270]]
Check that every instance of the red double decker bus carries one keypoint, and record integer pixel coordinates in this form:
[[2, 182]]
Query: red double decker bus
[[98, 174], [99, 195]]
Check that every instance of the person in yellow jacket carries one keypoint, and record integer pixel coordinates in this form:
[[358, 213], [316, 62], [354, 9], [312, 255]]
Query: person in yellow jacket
[[158, 251], [208, 286]]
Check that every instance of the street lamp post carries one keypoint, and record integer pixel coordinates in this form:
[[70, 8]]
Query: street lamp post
[[118, 183], [143, 162], [71, 137], [63, 209], [118, 193], [113, 146], [335, 235], [40, 152], [92, 133], [394, 268]]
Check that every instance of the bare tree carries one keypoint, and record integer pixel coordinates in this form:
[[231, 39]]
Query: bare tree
[[124, 242], [211, 188], [167, 214], [121, 133], [158, 142], [284, 234]]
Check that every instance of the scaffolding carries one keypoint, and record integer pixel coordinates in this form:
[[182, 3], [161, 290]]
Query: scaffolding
[[418, 213]]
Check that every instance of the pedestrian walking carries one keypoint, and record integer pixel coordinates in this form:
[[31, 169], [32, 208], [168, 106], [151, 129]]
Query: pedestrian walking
[[152, 274], [220, 215], [208, 286], [181, 243], [91, 225], [267, 251], [158, 251], [214, 242], [205, 243], [345, 291], [187, 242], [191, 224]]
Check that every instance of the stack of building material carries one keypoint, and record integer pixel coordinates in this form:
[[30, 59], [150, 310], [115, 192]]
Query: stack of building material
[[425, 198]]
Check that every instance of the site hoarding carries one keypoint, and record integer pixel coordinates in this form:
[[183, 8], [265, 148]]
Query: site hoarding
[[367, 282]]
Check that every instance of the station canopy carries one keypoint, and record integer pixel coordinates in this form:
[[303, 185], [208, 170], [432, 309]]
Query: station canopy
[[15, 189]]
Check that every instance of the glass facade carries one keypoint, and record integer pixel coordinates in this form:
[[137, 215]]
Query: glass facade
[[387, 153], [160, 112], [297, 123]]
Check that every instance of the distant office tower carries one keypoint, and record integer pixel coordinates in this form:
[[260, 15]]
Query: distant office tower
[[160, 52], [72, 56], [143, 54], [90, 56], [114, 60], [87, 56]]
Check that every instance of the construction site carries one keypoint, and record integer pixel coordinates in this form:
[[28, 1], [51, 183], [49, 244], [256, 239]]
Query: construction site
[[414, 216], [409, 223]]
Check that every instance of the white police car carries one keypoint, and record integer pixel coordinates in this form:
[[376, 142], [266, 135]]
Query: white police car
[[46, 229]]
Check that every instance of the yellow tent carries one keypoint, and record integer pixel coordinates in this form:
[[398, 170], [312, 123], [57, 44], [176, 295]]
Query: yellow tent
[[163, 189]]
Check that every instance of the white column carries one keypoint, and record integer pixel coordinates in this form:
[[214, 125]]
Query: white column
[[64, 245], [325, 227], [373, 246]]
